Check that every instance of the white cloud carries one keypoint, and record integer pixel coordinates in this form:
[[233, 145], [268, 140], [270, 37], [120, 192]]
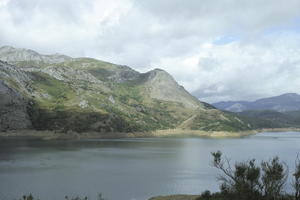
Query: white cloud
[[246, 71], [68, 26], [219, 50]]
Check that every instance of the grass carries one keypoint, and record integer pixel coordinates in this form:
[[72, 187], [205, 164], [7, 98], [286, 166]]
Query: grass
[[52, 86], [214, 120], [133, 110]]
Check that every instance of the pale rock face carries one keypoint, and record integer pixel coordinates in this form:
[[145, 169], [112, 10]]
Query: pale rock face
[[111, 99], [162, 86], [45, 96], [69, 74], [83, 104], [21, 78]]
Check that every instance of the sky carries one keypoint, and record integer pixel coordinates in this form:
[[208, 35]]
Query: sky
[[219, 50]]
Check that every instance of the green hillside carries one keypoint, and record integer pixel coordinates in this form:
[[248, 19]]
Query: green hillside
[[84, 94]]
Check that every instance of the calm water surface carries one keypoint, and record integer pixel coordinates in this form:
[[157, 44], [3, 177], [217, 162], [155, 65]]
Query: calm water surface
[[127, 169]]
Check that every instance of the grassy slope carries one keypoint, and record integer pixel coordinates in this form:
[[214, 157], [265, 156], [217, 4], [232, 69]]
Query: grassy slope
[[112, 106]]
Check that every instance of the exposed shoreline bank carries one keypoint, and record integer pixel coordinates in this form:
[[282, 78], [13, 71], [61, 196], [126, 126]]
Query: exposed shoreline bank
[[176, 197], [52, 135]]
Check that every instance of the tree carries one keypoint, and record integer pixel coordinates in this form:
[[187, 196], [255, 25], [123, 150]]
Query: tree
[[273, 178], [206, 195], [247, 181], [29, 197], [240, 182], [296, 175]]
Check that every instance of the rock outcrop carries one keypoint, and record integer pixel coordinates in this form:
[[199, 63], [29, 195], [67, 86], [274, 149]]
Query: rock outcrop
[[162, 86]]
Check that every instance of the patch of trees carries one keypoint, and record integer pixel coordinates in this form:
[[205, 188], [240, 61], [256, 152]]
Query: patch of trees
[[249, 181], [30, 197]]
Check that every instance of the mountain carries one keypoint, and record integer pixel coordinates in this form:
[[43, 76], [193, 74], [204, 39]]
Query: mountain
[[63, 94], [271, 118], [282, 103]]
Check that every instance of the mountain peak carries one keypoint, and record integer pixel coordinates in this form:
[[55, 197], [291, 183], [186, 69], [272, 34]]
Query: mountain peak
[[14, 55], [159, 74], [158, 70], [163, 86]]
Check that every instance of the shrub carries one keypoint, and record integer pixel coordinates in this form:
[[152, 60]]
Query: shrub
[[247, 181]]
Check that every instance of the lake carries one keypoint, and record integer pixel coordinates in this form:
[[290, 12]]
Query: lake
[[128, 169]]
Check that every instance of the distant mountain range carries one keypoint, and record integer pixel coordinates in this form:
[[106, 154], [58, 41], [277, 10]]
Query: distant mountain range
[[274, 112], [283, 103]]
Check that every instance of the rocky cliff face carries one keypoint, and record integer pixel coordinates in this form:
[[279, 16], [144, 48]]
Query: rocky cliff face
[[13, 109], [14, 85], [162, 86], [57, 92]]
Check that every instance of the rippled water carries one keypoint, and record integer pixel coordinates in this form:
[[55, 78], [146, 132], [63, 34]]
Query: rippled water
[[127, 168]]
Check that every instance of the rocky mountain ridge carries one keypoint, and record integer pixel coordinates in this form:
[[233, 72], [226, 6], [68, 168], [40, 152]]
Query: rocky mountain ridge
[[282, 103], [60, 93], [11, 54]]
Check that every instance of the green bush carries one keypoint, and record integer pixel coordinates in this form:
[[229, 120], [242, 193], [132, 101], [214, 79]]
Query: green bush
[[248, 181]]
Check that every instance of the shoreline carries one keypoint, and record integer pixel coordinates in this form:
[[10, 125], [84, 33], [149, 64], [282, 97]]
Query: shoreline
[[169, 133], [176, 197]]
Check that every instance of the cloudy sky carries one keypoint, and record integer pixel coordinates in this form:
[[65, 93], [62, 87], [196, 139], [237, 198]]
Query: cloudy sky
[[217, 49]]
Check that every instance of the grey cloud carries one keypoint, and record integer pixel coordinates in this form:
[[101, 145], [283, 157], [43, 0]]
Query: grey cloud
[[179, 36], [22, 11], [230, 14]]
